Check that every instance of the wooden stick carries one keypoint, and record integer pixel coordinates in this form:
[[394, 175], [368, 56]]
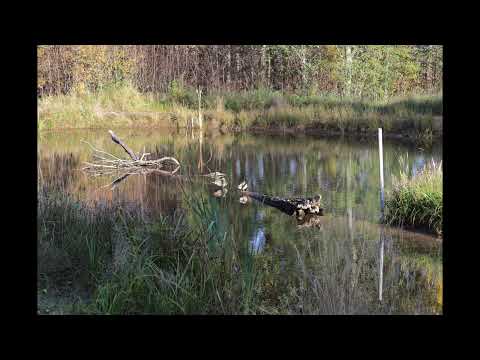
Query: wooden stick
[[122, 144]]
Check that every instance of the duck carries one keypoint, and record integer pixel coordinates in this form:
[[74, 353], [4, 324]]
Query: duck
[[243, 186]]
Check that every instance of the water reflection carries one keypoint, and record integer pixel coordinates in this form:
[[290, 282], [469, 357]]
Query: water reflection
[[257, 243], [260, 166], [344, 172], [271, 164], [279, 166], [380, 270]]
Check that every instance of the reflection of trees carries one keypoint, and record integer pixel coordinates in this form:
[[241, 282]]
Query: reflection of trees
[[160, 194], [349, 202], [414, 283], [57, 170], [345, 173], [288, 166]]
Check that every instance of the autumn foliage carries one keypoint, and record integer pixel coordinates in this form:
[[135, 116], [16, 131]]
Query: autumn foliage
[[364, 71]]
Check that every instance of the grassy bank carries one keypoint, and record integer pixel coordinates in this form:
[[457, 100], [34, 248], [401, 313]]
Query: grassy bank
[[417, 201], [416, 116], [94, 259]]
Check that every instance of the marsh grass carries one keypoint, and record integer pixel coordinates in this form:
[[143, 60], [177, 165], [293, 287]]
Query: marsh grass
[[129, 265], [99, 259], [417, 201], [418, 117], [74, 240], [121, 106]]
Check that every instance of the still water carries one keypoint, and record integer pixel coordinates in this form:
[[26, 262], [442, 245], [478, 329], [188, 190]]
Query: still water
[[345, 172]]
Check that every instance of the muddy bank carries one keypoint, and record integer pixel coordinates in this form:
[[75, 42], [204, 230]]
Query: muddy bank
[[408, 124], [321, 132]]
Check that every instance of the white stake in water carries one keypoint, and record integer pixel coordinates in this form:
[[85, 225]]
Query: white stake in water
[[382, 206]]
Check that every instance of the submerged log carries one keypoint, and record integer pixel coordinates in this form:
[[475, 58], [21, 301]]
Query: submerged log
[[300, 207]]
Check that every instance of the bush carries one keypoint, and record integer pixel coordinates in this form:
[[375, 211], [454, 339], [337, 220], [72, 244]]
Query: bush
[[180, 95], [417, 201]]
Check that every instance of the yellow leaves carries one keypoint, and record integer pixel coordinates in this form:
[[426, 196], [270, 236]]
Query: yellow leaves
[[82, 68], [79, 88], [376, 71]]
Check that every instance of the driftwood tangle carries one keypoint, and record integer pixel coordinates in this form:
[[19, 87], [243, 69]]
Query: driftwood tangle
[[106, 163]]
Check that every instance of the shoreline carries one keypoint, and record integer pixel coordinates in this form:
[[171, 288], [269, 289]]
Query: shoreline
[[411, 117], [406, 137]]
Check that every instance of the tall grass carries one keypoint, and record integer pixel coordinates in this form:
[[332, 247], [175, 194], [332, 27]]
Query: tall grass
[[192, 262], [417, 201], [415, 116], [130, 265], [121, 106]]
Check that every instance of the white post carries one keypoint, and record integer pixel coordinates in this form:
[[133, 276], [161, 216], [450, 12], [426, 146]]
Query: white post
[[380, 281], [380, 150], [382, 208]]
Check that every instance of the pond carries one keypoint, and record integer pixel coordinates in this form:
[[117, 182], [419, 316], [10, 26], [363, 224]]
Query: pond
[[344, 171]]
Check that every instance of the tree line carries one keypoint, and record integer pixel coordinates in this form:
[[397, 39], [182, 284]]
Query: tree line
[[360, 71]]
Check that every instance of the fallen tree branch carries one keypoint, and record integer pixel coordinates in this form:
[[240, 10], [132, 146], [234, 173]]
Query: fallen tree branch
[[123, 145], [107, 164], [105, 160]]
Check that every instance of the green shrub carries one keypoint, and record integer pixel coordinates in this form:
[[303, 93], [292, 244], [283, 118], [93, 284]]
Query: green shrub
[[417, 201]]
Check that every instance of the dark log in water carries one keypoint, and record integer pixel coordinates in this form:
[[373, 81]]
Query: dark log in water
[[300, 207]]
